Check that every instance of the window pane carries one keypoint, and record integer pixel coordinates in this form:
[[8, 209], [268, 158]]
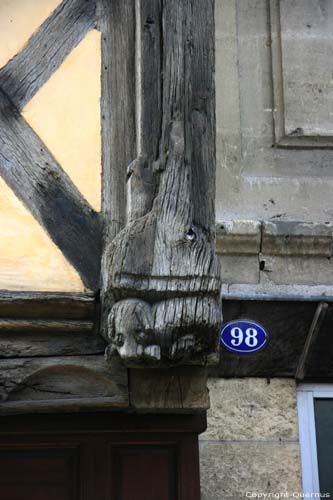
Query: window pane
[[324, 433]]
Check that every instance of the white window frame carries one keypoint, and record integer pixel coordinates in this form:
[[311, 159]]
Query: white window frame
[[306, 394]]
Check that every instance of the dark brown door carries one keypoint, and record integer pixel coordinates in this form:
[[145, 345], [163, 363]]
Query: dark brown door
[[100, 457], [39, 472]]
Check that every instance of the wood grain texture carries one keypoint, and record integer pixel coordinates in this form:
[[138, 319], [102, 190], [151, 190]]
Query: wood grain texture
[[41, 337], [23, 75], [176, 389], [142, 183], [116, 20], [54, 305], [149, 85], [167, 255], [44, 380], [51, 324], [50, 343], [319, 361], [117, 23], [311, 340], [10, 325], [39, 182]]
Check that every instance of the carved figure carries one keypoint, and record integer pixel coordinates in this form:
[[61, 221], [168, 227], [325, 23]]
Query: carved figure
[[130, 328], [161, 276]]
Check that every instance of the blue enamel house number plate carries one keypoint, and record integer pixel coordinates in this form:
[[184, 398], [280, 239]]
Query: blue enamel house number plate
[[243, 336]]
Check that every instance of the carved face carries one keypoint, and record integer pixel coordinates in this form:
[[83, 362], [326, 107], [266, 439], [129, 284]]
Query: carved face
[[130, 322]]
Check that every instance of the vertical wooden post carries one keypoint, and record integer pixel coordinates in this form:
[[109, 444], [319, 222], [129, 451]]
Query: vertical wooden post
[[116, 21], [118, 107], [161, 276]]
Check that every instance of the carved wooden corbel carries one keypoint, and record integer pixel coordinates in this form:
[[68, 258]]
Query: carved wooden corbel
[[161, 274]]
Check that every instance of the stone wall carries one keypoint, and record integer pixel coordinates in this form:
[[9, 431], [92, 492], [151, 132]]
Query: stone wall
[[271, 165], [251, 443], [278, 258], [274, 179]]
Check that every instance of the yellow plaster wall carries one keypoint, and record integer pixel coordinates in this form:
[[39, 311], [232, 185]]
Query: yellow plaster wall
[[19, 19], [29, 260], [65, 113]]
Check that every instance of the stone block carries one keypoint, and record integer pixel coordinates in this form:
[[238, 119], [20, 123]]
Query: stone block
[[283, 270], [230, 471], [297, 238], [252, 409], [240, 269], [238, 237]]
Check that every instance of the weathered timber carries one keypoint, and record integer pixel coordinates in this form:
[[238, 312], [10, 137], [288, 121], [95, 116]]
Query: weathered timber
[[51, 324], [116, 21], [311, 339], [61, 381], [10, 325], [38, 180], [161, 269], [51, 343], [23, 75], [141, 184], [103, 424], [47, 305], [175, 389], [319, 360]]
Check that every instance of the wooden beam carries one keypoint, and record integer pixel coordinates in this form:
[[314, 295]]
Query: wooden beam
[[27, 72], [149, 85], [311, 339], [116, 20], [47, 305], [319, 364], [175, 389], [102, 423], [39, 182], [10, 325], [161, 269], [117, 23], [48, 324], [56, 382], [141, 183], [57, 340]]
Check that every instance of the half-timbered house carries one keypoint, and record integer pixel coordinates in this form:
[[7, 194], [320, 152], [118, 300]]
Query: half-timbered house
[[126, 211]]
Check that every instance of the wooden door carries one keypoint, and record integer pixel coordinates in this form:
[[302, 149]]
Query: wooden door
[[100, 457]]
